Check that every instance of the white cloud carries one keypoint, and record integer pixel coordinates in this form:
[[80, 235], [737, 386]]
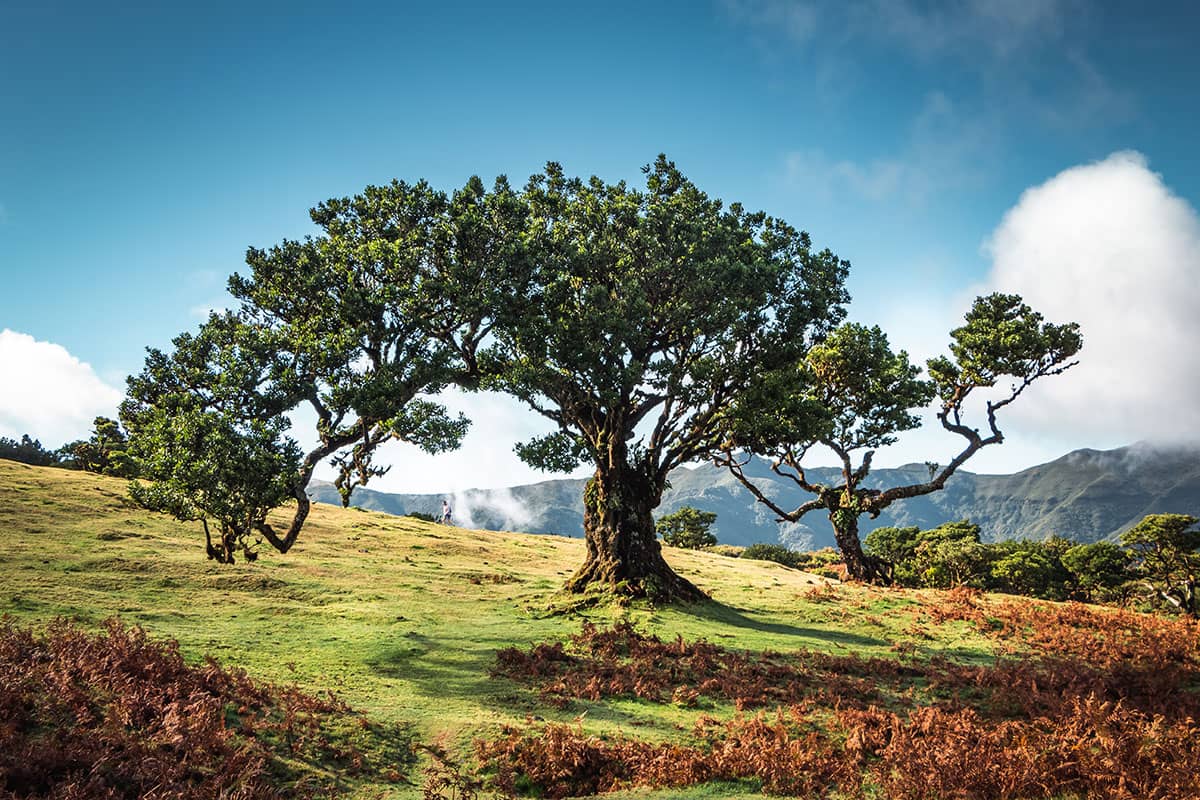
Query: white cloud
[[499, 504], [816, 173], [1109, 245], [48, 393]]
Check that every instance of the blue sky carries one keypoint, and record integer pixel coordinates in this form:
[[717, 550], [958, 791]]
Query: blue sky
[[144, 147]]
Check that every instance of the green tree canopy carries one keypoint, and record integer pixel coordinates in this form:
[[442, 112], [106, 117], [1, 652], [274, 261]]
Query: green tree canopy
[[894, 550], [1096, 569], [852, 394], [27, 451], [1029, 568], [215, 467], [687, 527], [648, 316], [952, 555]]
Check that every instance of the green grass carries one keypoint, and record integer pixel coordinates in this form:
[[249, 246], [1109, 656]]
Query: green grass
[[402, 618]]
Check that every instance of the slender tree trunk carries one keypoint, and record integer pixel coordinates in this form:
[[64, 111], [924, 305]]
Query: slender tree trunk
[[859, 565], [623, 554]]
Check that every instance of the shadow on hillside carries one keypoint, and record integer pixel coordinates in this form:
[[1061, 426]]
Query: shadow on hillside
[[735, 617], [445, 667]]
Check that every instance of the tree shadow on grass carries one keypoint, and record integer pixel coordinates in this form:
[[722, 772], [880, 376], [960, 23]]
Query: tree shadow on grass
[[449, 668], [738, 618]]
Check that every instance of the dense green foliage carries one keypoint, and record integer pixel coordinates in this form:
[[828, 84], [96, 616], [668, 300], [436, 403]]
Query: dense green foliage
[[647, 316], [1165, 550], [773, 552], [210, 466], [27, 451], [1097, 570], [687, 527], [852, 394], [105, 453], [1160, 553]]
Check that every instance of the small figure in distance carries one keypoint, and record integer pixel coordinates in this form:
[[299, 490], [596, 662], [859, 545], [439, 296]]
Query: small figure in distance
[[445, 513]]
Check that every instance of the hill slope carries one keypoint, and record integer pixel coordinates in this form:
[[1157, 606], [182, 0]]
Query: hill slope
[[1086, 495]]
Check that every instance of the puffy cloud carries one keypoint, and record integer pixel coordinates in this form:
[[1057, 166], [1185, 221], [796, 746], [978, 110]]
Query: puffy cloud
[[1109, 246], [47, 392]]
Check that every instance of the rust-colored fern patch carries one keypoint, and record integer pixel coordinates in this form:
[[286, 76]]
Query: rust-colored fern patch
[[116, 715], [1055, 715]]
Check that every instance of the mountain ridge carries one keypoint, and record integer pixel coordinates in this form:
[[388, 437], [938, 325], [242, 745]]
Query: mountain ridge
[[1085, 495]]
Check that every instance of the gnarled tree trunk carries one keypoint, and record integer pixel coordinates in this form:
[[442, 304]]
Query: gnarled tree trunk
[[859, 565], [623, 554]]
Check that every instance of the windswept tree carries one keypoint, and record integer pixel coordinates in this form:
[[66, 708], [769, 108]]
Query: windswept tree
[[852, 394], [106, 452], [648, 316], [359, 325], [1166, 552]]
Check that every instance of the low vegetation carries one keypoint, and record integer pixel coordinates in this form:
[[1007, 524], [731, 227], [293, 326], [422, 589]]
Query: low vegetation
[[106, 452], [1157, 563]]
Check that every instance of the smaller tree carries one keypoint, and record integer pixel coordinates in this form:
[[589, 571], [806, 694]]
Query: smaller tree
[[105, 453], [1032, 569], [688, 528], [852, 394], [1164, 548], [1096, 570], [359, 326], [218, 468], [951, 555], [895, 548]]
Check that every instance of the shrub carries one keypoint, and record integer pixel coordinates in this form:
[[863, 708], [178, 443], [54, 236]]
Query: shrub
[[773, 552], [1097, 570]]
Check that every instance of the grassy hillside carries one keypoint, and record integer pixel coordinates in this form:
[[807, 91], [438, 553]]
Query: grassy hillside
[[403, 619]]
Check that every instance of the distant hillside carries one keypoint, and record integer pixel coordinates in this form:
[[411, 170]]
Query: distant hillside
[[1086, 495]]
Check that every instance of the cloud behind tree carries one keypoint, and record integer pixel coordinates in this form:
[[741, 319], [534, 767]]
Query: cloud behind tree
[[1110, 246], [48, 393]]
